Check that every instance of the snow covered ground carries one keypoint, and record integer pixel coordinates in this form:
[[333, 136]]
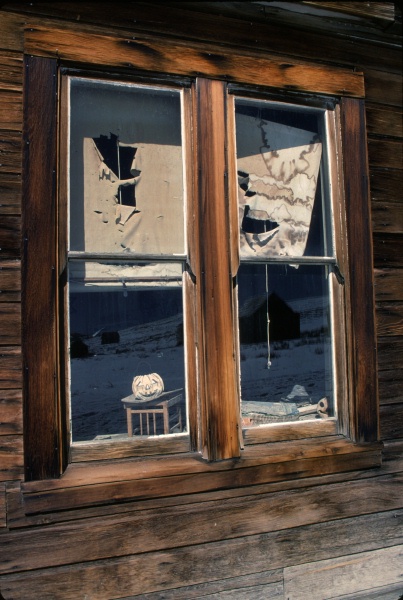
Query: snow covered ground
[[100, 381]]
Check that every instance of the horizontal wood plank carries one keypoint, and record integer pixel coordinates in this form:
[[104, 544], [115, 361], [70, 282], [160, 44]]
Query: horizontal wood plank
[[388, 249], [10, 110], [11, 412], [348, 575], [386, 185], [152, 571], [10, 237], [10, 143], [388, 285], [10, 281], [10, 367], [93, 495], [148, 55], [10, 71], [262, 34], [11, 458], [392, 462], [385, 592], [10, 317], [389, 318], [89, 474], [390, 352], [384, 121], [259, 586], [390, 386], [387, 217], [383, 87], [391, 421], [10, 194], [385, 153]]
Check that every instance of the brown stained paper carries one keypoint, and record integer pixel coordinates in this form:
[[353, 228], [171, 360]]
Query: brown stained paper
[[155, 224], [278, 168]]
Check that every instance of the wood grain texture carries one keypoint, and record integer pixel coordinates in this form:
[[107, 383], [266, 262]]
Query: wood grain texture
[[388, 249], [385, 154], [10, 316], [383, 87], [10, 194], [82, 474], [212, 521], [10, 110], [219, 426], [10, 146], [358, 573], [387, 217], [390, 386], [384, 121], [391, 421], [10, 281], [11, 412], [386, 185], [185, 566], [389, 319], [145, 54], [106, 493], [267, 585], [10, 367], [361, 301], [39, 271], [11, 457], [10, 237], [10, 71], [258, 34], [390, 352]]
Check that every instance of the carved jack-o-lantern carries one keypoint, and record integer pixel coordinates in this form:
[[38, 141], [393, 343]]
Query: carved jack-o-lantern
[[147, 387]]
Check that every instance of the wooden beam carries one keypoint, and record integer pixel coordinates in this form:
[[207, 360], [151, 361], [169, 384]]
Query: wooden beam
[[196, 60]]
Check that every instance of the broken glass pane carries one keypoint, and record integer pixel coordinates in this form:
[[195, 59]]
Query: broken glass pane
[[279, 153], [285, 343], [126, 168]]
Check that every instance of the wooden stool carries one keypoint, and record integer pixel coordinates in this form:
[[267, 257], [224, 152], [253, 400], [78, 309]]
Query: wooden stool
[[157, 406]]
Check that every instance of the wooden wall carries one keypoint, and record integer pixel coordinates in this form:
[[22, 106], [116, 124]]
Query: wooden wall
[[333, 536]]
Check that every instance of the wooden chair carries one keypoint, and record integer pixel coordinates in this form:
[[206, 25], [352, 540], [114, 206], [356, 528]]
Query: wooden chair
[[150, 409]]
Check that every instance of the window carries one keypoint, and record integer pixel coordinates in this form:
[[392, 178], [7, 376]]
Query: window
[[201, 267], [287, 256], [126, 260]]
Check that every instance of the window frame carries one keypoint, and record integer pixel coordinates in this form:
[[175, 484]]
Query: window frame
[[215, 437]]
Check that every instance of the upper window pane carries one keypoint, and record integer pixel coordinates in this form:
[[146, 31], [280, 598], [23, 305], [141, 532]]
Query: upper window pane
[[283, 210], [126, 169]]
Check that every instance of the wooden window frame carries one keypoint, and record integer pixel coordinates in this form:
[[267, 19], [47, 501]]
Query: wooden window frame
[[316, 448]]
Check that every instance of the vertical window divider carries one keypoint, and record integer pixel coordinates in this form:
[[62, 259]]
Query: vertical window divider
[[219, 386]]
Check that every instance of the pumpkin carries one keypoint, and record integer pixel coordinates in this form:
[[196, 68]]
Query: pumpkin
[[147, 387]]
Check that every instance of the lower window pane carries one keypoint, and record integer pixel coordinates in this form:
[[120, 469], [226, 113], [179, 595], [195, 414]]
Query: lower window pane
[[285, 343], [126, 351]]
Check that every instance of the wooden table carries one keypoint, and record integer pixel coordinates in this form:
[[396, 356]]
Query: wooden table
[[157, 406]]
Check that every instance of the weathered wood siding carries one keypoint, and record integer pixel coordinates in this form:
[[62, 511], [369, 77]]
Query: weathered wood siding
[[315, 538]]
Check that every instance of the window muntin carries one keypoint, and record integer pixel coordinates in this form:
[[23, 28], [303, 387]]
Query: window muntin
[[126, 258], [286, 251]]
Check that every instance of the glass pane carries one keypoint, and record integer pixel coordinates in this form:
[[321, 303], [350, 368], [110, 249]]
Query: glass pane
[[126, 168], [126, 342], [279, 154], [285, 343]]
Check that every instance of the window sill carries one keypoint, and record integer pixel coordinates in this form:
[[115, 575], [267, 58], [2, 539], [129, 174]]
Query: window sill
[[88, 484]]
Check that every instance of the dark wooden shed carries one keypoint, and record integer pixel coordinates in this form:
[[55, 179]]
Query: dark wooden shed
[[297, 511]]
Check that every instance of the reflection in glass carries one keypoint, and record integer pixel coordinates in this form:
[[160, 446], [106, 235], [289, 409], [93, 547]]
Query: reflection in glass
[[285, 343], [122, 328]]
